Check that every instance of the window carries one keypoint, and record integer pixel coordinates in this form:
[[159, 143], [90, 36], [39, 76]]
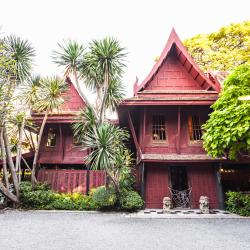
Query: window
[[158, 128], [194, 127], [51, 141]]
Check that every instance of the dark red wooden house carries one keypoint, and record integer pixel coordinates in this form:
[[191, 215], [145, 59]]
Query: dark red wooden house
[[61, 157], [165, 117]]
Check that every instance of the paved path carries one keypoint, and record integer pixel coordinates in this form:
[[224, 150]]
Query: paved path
[[73, 230]]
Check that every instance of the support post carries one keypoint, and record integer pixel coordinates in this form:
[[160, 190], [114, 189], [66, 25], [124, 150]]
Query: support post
[[144, 128], [61, 142], [178, 130], [220, 194], [87, 175], [142, 181]]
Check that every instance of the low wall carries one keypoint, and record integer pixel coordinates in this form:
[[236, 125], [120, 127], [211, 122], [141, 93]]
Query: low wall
[[71, 181]]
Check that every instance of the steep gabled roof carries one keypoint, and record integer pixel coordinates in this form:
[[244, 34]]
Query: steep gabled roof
[[174, 43], [73, 100]]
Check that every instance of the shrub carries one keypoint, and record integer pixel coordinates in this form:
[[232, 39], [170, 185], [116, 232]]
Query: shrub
[[238, 203], [104, 198], [43, 198], [40, 198], [130, 201]]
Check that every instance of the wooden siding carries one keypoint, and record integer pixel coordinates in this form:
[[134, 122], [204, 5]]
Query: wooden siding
[[156, 186], [64, 152], [203, 182], [71, 181], [170, 146], [172, 75]]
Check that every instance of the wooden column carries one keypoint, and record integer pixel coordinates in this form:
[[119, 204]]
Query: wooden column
[[178, 131], [143, 129], [143, 181], [61, 147], [220, 194]]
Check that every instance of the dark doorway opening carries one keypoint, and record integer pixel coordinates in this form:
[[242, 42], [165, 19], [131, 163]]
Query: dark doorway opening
[[179, 179], [180, 191]]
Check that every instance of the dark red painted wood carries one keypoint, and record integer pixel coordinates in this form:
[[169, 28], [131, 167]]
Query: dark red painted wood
[[71, 181], [203, 182], [157, 183], [64, 152]]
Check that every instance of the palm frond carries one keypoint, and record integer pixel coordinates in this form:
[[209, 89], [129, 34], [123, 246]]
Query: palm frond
[[50, 93], [69, 55], [23, 53]]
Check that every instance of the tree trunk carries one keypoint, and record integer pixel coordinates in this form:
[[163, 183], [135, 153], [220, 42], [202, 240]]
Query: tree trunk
[[102, 108], [34, 166], [81, 93], [11, 164], [3, 151], [8, 194], [19, 151]]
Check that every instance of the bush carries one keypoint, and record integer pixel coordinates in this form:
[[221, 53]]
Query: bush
[[104, 198], [43, 198], [131, 201], [40, 198], [238, 203]]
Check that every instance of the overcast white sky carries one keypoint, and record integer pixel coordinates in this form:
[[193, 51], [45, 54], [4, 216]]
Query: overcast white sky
[[141, 26]]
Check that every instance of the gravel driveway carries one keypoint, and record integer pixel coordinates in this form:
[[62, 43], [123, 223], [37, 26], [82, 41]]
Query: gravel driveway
[[70, 230]]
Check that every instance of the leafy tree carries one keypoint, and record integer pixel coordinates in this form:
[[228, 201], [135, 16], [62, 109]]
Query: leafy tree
[[70, 56], [227, 131], [222, 50], [16, 63]]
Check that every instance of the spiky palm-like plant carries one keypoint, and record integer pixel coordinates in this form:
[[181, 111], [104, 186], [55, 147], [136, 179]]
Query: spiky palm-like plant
[[23, 53], [102, 64], [70, 56], [107, 144]]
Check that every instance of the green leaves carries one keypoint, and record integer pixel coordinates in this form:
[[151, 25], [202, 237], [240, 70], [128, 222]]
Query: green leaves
[[227, 132], [50, 94], [106, 141], [70, 56], [23, 54], [222, 50]]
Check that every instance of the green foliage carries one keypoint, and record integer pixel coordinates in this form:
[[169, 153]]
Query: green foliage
[[70, 55], [106, 140], [238, 203], [227, 132], [222, 50], [40, 198], [43, 198], [105, 198], [23, 54], [130, 201], [50, 93]]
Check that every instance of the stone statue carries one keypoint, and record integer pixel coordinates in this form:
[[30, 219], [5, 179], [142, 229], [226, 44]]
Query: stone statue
[[204, 204], [167, 204]]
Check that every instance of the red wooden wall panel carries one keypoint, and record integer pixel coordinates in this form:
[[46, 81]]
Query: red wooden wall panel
[[203, 182], [71, 181], [156, 186]]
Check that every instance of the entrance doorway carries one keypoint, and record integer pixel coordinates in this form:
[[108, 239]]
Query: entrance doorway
[[180, 190]]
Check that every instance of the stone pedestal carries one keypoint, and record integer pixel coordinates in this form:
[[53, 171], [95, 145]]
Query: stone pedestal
[[204, 204], [167, 205]]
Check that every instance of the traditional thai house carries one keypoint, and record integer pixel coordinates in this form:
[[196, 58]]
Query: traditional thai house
[[61, 157], [165, 118]]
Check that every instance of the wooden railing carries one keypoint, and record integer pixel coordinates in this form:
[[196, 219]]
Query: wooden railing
[[71, 181]]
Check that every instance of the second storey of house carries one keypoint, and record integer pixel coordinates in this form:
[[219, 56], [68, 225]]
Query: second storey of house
[[166, 113], [169, 129]]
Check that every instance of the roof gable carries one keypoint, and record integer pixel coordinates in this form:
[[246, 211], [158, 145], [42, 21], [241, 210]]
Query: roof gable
[[176, 70], [73, 101]]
